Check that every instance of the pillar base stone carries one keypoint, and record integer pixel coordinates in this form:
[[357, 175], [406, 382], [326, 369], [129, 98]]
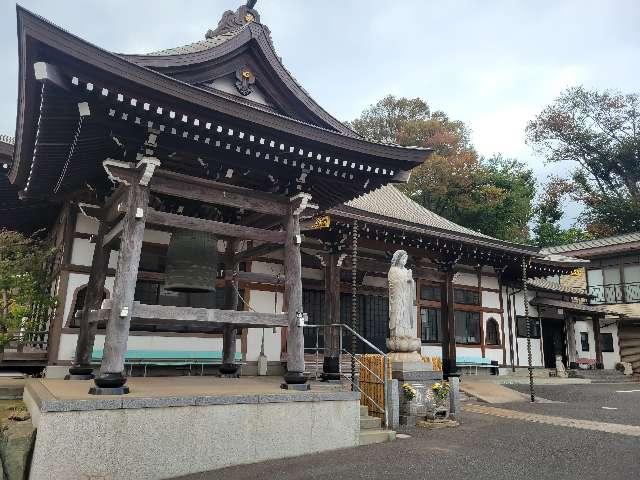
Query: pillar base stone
[[90, 376], [331, 369], [80, 373], [301, 387], [229, 370], [295, 381], [110, 384], [109, 390]]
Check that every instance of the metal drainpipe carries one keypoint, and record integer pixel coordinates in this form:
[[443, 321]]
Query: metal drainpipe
[[528, 322]]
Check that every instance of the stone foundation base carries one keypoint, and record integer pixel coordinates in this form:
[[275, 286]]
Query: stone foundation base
[[155, 437]]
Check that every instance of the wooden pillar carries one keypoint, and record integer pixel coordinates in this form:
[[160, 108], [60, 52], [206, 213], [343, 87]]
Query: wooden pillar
[[596, 339], [572, 354], [449, 366], [111, 379], [92, 301], [500, 289], [55, 328], [229, 368], [294, 377], [510, 321], [331, 362]]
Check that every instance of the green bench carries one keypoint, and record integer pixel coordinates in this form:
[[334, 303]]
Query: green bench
[[472, 361], [176, 358]]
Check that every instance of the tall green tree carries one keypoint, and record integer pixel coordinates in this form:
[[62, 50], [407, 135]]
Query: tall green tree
[[25, 277], [598, 132], [493, 196], [547, 230]]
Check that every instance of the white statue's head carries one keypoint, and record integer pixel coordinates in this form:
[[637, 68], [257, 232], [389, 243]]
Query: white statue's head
[[399, 259]]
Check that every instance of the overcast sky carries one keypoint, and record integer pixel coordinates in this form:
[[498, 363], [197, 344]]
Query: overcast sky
[[492, 64]]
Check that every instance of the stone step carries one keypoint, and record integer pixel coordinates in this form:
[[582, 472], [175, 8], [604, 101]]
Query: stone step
[[367, 423], [364, 411], [377, 435]]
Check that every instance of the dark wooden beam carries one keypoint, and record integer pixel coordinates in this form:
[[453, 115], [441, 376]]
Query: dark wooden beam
[[252, 277], [112, 210], [176, 315], [114, 233], [93, 298], [258, 251], [208, 191], [448, 325], [596, 339], [172, 220]]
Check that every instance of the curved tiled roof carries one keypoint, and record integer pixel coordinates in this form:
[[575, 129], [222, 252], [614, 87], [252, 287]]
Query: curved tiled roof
[[391, 202], [596, 243], [546, 285], [198, 46]]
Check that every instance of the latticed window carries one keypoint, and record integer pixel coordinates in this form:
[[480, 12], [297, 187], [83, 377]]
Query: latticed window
[[467, 327], [466, 297], [431, 324], [492, 333]]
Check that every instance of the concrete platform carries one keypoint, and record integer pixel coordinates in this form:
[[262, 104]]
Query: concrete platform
[[172, 426]]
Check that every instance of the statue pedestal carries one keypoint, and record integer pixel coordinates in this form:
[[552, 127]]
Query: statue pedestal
[[421, 376]]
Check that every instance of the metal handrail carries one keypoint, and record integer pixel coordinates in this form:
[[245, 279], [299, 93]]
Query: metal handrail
[[384, 410]]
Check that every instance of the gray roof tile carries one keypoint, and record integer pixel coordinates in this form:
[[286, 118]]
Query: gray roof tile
[[200, 46], [595, 243], [391, 202]]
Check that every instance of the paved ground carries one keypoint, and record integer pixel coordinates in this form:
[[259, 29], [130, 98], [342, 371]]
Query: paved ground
[[586, 402], [491, 392], [531, 444]]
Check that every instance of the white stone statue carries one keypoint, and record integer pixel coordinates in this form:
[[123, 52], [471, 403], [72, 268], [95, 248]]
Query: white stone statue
[[402, 311]]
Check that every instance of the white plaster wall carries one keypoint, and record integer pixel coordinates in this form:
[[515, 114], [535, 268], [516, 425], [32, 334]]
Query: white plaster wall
[[263, 302], [431, 351], [227, 84], [86, 224], [520, 349], [584, 326], [82, 253], [494, 354], [491, 300], [536, 354], [489, 282], [611, 358]]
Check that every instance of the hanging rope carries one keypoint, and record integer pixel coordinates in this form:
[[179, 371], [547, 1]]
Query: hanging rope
[[354, 300], [528, 325]]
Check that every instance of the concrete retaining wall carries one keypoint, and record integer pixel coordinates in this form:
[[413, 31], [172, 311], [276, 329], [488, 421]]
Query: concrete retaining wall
[[163, 442]]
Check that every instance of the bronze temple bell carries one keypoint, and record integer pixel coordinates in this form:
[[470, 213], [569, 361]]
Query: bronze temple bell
[[192, 262]]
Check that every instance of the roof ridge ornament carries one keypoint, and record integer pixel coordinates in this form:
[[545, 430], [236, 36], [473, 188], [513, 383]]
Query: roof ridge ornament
[[232, 21]]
